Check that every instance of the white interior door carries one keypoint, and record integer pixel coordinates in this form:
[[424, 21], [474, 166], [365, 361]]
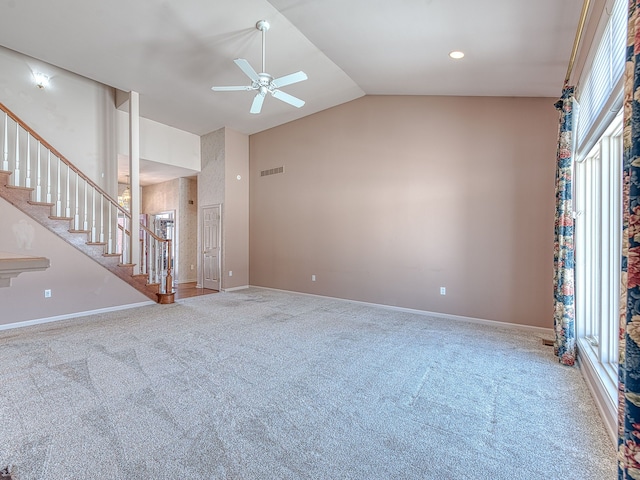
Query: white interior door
[[211, 247]]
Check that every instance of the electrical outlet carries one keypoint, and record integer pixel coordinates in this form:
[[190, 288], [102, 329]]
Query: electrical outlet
[[230, 273], [193, 267], [313, 278], [443, 290], [47, 293]]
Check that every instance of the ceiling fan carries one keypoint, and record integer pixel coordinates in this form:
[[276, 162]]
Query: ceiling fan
[[264, 83]]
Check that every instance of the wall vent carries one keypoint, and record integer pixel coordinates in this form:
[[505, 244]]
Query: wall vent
[[271, 171]]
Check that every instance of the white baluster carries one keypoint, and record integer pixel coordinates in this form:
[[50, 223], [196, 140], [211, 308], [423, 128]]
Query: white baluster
[[76, 217], [16, 170], [101, 218], [110, 241], [119, 234], [123, 235], [93, 216], [85, 224], [48, 176], [38, 174], [58, 191], [27, 180], [5, 149], [67, 210]]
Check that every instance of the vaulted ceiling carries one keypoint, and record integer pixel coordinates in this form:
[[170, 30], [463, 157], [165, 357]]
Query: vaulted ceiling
[[173, 52]]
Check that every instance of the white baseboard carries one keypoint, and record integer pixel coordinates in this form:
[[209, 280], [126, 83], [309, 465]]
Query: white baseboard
[[603, 389], [233, 289], [539, 330], [38, 321]]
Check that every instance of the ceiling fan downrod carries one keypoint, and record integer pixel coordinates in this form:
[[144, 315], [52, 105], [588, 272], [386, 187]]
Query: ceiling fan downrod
[[263, 26]]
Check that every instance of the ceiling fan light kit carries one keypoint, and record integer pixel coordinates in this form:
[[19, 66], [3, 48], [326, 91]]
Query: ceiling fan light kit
[[264, 83]]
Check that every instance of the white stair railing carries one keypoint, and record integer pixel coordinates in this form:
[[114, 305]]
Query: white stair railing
[[75, 197]]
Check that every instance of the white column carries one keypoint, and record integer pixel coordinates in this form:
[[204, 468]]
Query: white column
[[134, 177]]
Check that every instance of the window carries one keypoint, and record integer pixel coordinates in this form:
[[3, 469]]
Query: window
[[597, 208], [598, 249]]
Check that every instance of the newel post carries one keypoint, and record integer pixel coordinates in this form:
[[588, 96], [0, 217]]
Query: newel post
[[169, 280]]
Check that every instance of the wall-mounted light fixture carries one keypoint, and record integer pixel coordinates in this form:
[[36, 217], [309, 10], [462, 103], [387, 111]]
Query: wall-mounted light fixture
[[42, 80]]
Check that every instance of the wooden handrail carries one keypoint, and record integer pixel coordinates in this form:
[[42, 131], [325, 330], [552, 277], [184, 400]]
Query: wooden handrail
[[64, 159], [154, 268], [153, 234]]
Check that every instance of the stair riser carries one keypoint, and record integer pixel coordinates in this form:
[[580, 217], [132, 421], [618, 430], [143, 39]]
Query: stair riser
[[19, 198]]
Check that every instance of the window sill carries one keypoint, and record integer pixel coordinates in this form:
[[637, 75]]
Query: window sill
[[603, 383]]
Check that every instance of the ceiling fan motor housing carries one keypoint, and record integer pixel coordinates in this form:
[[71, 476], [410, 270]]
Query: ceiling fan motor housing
[[263, 25]]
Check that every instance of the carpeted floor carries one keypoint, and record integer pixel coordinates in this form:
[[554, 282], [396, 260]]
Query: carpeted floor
[[259, 384]]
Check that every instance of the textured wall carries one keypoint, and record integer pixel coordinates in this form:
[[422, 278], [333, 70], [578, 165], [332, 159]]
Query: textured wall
[[225, 155], [210, 181], [188, 217], [387, 198]]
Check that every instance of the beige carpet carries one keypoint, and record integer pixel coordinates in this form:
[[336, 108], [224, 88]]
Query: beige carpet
[[259, 384]]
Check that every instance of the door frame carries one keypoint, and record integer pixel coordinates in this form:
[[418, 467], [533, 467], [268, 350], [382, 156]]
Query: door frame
[[201, 253]]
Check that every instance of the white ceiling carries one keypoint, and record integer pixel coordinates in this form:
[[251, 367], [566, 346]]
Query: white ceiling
[[173, 52]]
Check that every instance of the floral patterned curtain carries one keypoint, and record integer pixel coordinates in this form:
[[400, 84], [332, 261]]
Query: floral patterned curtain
[[629, 354], [563, 258]]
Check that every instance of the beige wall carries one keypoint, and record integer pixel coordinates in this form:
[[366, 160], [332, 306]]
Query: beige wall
[[236, 210], [77, 283], [387, 198]]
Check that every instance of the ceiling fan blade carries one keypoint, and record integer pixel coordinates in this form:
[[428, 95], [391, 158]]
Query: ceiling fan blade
[[290, 99], [289, 79], [247, 69], [256, 106], [231, 89]]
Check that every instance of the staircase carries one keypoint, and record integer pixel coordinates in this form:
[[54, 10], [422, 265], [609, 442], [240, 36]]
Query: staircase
[[42, 183]]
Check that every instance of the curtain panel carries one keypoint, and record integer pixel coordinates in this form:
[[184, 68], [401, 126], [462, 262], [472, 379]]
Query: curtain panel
[[629, 353], [563, 251]]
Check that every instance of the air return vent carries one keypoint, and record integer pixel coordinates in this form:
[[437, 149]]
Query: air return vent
[[271, 171]]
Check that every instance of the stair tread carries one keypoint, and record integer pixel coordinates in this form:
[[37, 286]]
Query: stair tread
[[30, 189], [22, 197]]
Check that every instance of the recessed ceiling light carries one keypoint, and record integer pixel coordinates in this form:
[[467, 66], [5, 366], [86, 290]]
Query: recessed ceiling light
[[456, 54]]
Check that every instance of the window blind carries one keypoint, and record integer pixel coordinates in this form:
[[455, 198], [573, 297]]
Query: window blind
[[603, 77]]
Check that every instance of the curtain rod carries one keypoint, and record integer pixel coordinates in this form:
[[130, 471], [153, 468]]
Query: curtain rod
[[576, 41]]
